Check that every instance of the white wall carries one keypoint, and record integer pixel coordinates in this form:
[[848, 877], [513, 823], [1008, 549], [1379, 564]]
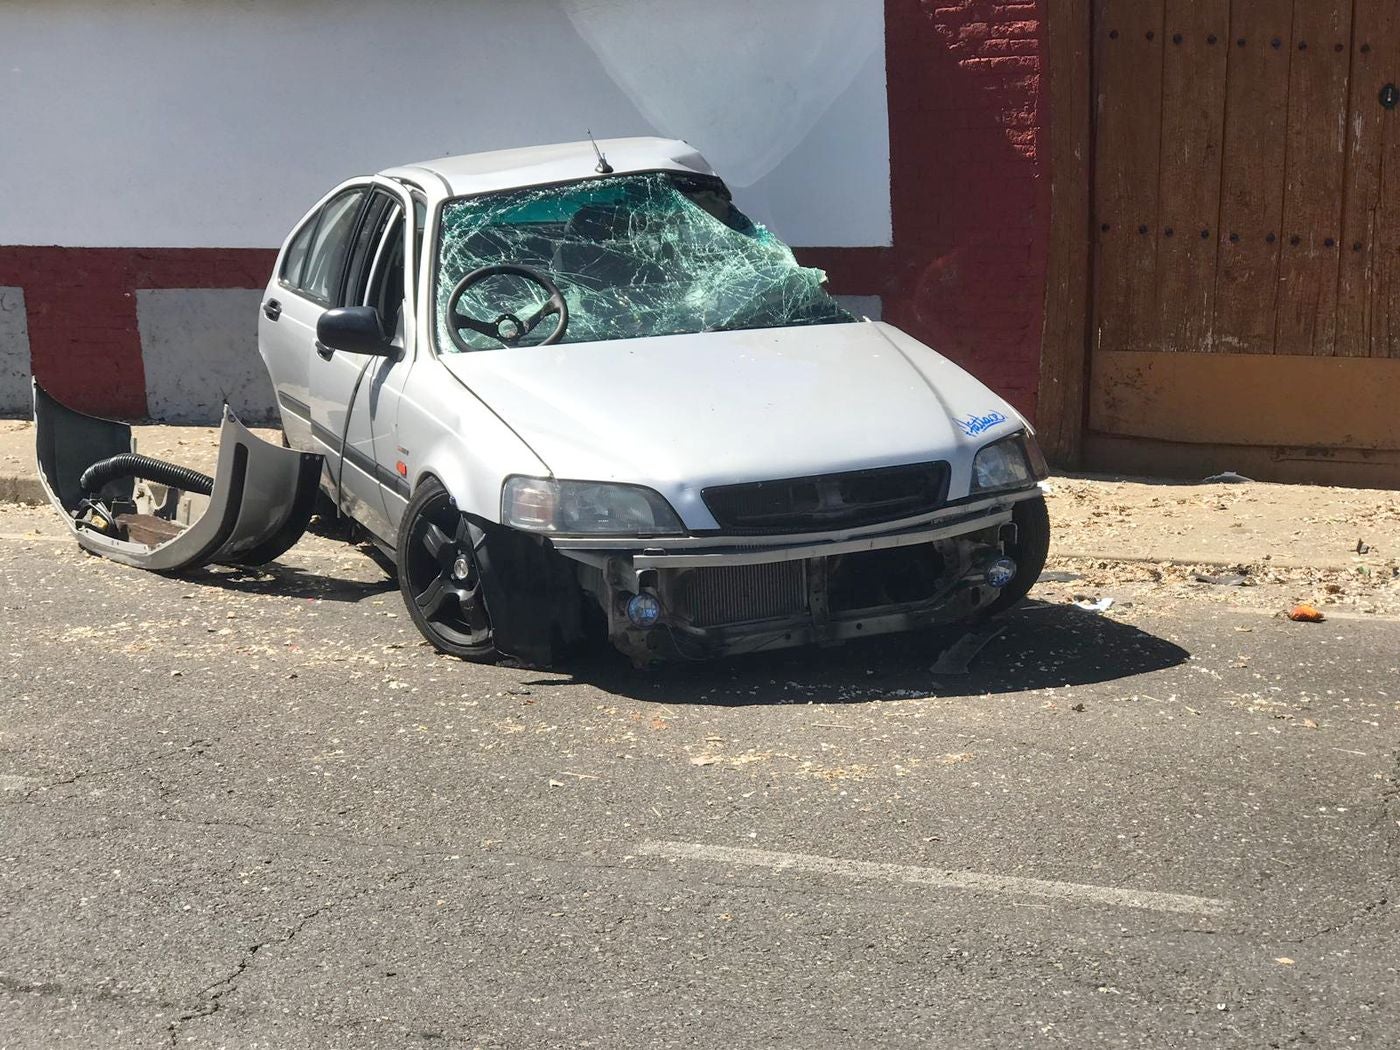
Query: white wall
[[199, 347], [215, 123], [15, 395]]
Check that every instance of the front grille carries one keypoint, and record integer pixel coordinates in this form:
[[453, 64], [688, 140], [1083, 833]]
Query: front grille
[[728, 594], [827, 501]]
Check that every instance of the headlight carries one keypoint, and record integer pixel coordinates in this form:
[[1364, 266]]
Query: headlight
[[1011, 463], [586, 508]]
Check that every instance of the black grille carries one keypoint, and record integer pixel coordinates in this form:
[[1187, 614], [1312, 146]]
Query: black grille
[[828, 501]]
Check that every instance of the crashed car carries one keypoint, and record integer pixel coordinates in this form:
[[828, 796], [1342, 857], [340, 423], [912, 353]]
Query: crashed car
[[573, 388]]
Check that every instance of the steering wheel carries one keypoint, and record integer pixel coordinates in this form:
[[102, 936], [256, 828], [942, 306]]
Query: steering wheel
[[507, 329]]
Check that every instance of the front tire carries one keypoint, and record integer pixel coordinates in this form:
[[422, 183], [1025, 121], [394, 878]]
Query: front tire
[[439, 553], [1032, 544]]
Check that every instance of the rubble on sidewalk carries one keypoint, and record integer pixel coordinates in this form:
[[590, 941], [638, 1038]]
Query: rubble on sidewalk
[[1260, 545]]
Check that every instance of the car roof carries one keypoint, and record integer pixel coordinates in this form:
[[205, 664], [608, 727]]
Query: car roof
[[474, 173]]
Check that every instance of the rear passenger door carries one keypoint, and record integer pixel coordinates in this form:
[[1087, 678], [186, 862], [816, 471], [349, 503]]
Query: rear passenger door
[[308, 282]]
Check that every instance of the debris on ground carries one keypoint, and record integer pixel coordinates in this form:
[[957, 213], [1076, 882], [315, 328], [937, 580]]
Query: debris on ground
[[1102, 605], [1229, 579], [1305, 613], [1229, 477], [958, 657]]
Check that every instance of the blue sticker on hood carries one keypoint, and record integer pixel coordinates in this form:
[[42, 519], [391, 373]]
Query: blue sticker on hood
[[975, 424]]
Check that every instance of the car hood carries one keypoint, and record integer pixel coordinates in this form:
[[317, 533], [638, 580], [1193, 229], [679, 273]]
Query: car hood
[[680, 413]]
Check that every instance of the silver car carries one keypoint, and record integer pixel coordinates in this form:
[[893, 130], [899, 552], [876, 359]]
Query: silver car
[[572, 390]]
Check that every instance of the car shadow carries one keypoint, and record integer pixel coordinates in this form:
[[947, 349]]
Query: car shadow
[[286, 581], [1040, 646]]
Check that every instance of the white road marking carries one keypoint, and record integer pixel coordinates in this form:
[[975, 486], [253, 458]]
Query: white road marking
[[1004, 885], [11, 782]]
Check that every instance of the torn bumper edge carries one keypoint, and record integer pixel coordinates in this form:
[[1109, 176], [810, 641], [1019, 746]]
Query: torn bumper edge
[[262, 500]]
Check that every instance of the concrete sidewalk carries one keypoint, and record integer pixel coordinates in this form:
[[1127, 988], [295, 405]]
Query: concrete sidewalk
[[196, 447], [1312, 526], [1106, 519]]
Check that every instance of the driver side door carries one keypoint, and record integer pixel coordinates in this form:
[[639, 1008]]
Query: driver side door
[[347, 420]]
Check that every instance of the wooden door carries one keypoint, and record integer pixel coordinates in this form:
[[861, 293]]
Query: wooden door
[[1246, 218]]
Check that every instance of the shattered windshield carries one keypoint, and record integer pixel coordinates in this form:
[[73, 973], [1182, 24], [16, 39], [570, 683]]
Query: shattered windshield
[[635, 255]]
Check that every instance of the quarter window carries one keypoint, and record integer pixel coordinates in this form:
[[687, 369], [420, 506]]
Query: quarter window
[[295, 260]]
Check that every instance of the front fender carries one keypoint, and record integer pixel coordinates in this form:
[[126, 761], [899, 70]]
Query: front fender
[[446, 432]]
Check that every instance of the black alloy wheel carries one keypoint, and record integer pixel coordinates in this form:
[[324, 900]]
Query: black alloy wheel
[[439, 574]]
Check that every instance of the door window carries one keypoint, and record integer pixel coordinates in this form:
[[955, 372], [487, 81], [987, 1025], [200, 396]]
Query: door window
[[376, 273], [366, 242], [325, 261], [385, 288]]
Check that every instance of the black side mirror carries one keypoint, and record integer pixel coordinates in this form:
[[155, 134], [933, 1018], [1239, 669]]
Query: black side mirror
[[355, 330]]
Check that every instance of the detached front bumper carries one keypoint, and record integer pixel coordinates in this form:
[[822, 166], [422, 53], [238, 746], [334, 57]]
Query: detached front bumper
[[261, 501], [722, 596]]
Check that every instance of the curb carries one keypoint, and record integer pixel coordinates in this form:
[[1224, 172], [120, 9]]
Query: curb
[[1194, 562]]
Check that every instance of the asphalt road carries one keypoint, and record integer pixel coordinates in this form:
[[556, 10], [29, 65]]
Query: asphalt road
[[253, 811]]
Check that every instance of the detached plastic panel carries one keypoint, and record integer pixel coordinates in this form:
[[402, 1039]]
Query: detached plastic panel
[[262, 500]]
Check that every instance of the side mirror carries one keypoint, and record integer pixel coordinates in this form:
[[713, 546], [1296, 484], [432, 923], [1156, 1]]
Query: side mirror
[[355, 330]]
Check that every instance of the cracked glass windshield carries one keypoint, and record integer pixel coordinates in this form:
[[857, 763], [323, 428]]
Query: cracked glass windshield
[[635, 255]]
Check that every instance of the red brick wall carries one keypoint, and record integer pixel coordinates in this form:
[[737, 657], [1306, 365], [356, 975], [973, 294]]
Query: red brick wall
[[980, 293], [969, 187]]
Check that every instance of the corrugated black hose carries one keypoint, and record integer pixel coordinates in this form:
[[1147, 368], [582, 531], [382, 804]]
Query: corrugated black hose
[[135, 465]]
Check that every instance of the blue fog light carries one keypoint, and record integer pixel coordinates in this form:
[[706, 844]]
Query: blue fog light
[[644, 610], [1000, 572]]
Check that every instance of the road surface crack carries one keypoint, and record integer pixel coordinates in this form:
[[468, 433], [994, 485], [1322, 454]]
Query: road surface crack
[[194, 749], [209, 999], [1366, 911]]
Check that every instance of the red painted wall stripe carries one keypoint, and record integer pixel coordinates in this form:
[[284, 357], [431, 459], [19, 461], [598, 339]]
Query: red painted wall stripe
[[84, 340]]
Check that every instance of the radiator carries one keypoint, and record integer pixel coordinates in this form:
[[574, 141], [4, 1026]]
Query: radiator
[[728, 594]]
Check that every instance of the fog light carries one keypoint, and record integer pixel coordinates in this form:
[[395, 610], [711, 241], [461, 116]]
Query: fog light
[[999, 572], [644, 610]]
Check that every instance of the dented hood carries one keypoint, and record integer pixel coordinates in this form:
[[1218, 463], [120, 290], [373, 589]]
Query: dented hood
[[680, 413]]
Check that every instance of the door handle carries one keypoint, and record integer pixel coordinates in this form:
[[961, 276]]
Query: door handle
[[323, 351], [273, 309]]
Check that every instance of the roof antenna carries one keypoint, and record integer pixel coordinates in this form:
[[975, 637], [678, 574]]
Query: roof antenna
[[603, 168]]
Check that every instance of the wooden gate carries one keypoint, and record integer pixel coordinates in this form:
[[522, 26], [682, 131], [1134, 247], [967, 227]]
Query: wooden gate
[[1245, 286]]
